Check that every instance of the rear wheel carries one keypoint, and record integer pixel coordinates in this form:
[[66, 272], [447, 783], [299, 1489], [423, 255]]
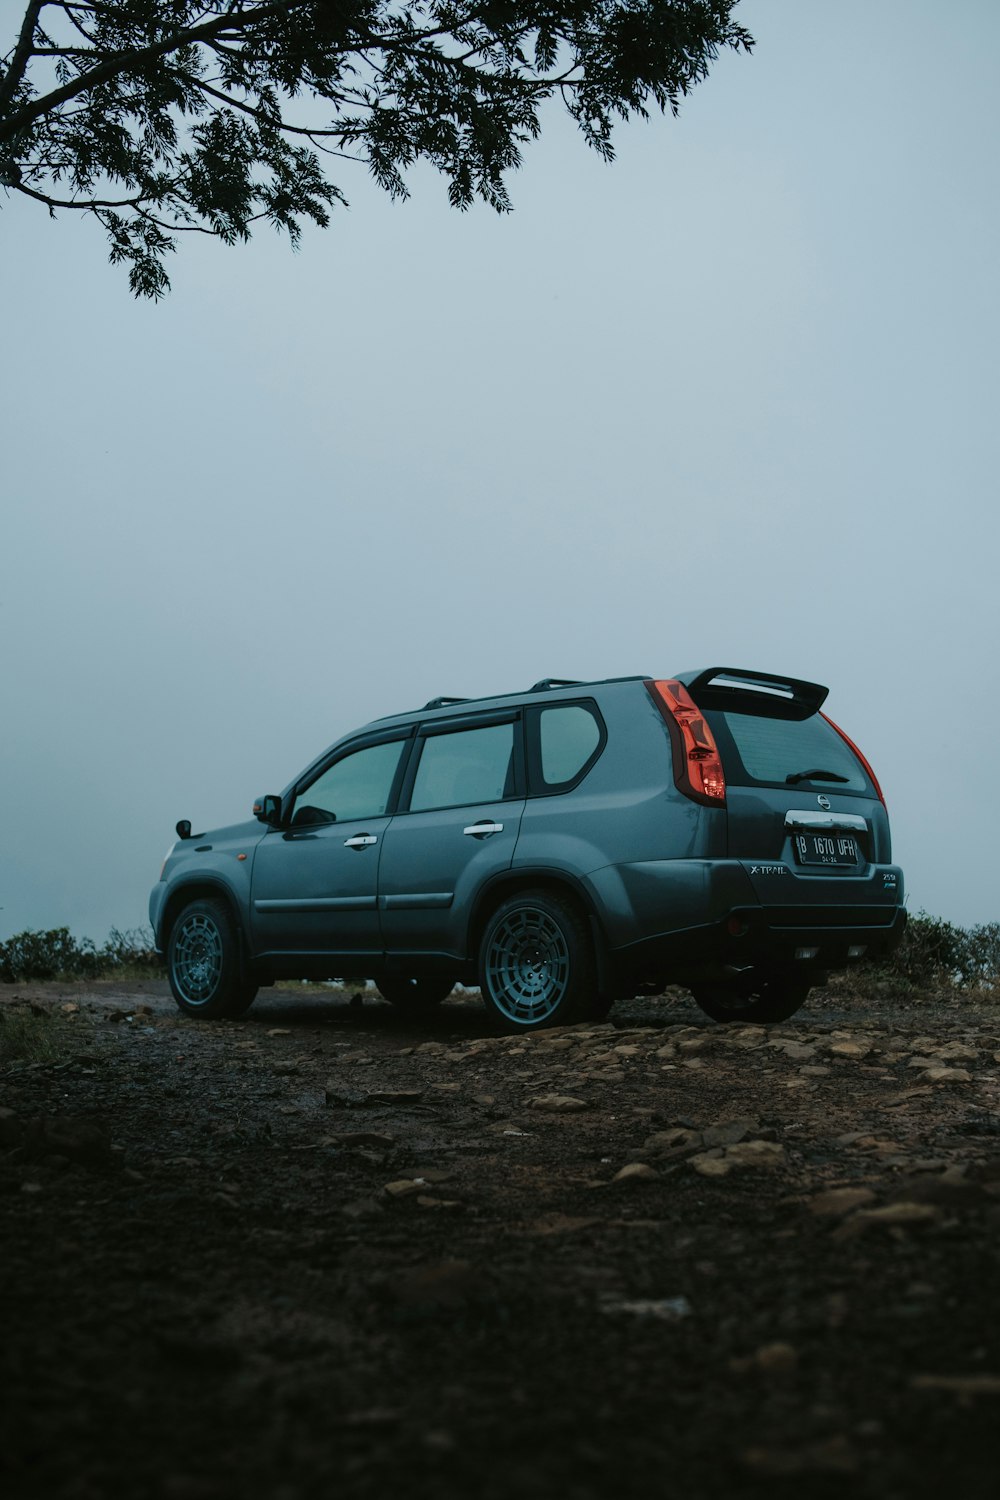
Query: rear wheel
[[203, 963], [414, 994], [536, 963], [756, 998]]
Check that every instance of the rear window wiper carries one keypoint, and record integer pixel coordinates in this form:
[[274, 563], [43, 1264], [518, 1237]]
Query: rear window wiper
[[797, 776]]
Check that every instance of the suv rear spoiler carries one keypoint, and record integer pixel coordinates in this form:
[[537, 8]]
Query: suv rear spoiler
[[741, 691]]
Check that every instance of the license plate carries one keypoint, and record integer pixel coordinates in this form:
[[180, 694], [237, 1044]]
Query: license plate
[[827, 849]]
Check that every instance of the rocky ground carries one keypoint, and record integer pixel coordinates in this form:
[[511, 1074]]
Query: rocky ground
[[328, 1250]]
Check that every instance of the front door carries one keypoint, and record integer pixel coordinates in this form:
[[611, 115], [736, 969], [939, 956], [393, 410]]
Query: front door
[[315, 880]]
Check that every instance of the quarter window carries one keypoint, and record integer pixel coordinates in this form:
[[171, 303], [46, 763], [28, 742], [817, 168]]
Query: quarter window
[[471, 765], [568, 737], [357, 786]]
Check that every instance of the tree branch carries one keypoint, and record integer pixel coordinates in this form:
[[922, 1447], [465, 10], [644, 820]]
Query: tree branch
[[78, 203], [22, 52], [129, 62]]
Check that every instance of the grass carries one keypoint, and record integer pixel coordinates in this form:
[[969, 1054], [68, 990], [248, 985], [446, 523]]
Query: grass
[[28, 1036]]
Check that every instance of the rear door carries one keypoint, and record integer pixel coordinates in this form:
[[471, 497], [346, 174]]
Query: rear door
[[460, 813]]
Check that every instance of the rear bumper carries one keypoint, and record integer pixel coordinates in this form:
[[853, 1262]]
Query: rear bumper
[[690, 917], [817, 937]]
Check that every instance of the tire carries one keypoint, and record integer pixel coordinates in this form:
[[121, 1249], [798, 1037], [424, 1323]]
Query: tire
[[414, 994], [757, 998], [203, 963], [536, 963]]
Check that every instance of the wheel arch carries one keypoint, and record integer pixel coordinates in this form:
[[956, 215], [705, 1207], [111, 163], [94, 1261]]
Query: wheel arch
[[202, 890], [524, 878]]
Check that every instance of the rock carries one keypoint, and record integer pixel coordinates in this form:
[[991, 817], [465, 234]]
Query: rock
[[849, 1049], [637, 1171], [742, 1154], [556, 1223], [729, 1132], [902, 1215], [957, 1052], [279, 1031], [664, 1309], [776, 1360], [362, 1208], [958, 1385], [947, 1075], [628, 1050], [404, 1187], [671, 1140], [949, 1189], [364, 1138], [710, 1166], [755, 1154], [815, 1070], [797, 1051], [557, 1104], [285, 1066], [393, 1096], [839, 1201], [834, 1455]]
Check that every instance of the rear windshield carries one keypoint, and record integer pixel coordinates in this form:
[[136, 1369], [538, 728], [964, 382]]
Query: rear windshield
[[770, 750]]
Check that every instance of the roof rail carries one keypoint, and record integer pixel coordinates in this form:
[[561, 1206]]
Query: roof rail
[[548, 683], [443, 702]]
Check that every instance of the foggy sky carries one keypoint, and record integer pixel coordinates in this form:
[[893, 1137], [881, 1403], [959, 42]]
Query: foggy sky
[[729, 401]]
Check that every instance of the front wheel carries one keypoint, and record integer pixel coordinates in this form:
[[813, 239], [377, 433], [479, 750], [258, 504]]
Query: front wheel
[[536, 963], [203, 963], [756, 998], [414, 994]]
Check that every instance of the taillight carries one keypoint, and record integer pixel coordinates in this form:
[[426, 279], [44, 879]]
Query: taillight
[[697, 764], [854, 749]]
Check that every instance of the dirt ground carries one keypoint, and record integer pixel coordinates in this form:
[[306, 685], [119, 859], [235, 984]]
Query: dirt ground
[[329, 1250]]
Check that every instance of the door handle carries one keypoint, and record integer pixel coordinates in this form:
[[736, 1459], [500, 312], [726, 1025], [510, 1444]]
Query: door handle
[[480, 830], [360, 841]]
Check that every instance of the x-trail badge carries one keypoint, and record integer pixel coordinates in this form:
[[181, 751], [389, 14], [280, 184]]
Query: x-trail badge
[[824, 802]]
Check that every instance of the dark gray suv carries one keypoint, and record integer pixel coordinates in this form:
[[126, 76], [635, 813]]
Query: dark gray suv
[[561, 848]]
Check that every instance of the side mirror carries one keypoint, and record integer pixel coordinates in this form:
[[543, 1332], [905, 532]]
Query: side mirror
[[268, 810]]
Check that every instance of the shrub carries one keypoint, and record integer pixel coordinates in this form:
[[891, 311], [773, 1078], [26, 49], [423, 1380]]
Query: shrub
[[57, 954], [935, 953]]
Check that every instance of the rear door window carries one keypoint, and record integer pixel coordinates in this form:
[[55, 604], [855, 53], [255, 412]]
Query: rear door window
[[770, 751], [465, 767]]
